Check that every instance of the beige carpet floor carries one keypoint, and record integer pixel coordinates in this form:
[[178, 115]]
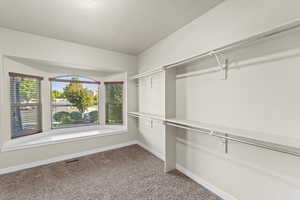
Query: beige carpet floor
[[124, 174]]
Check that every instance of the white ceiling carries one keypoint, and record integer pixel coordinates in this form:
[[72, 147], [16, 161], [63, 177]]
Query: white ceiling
[[128, 26]]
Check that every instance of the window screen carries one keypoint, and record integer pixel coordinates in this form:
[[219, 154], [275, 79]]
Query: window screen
[[75, 102], [25, 104], [114, 102]]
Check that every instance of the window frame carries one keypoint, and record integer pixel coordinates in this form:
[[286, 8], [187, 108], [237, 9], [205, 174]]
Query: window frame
[[38, 105], [105, 102], [58, 79]]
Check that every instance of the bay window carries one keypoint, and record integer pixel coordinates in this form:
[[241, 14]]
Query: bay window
[[74, 102]]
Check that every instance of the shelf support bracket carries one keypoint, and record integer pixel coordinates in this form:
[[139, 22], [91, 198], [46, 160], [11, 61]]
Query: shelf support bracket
[[225, 69], [223, 66], [151, 82], [137, 84], [226, 144]]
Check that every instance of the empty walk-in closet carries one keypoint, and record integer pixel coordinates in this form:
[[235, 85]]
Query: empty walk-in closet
[[161, 100]]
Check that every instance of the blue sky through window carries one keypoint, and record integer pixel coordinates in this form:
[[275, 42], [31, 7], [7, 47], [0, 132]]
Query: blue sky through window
[[59, 86]]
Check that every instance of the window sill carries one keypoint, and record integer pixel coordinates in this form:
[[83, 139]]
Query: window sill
[[61, 136]]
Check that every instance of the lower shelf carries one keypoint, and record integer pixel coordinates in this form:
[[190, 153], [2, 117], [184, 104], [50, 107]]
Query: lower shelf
[[276, 143], [146, 116]]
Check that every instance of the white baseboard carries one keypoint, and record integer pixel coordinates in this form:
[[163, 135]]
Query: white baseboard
[[64, 157], [185, 171], [191, 175], [155, 153], [205, 184]]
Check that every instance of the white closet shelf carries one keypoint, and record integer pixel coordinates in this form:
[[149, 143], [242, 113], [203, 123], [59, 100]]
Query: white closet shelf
[[295, 24], [148, 73], [146, 116], [272, 142], [267, 141], [276, 143]]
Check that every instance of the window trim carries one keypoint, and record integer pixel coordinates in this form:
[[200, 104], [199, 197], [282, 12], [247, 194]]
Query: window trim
[[57, 79], [74, 81], [114, 82], [13, 74], [33, 133], [54, 137], [39, 105]]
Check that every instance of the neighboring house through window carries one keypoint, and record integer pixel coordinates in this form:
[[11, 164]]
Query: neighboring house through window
[[25, 104]]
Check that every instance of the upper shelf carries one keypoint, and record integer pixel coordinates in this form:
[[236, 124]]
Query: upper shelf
[[256, 37]]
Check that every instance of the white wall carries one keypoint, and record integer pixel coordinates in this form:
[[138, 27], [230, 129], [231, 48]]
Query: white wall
[[230, 21], [84, 57], [151, 100], [58, 53], [260, 97]]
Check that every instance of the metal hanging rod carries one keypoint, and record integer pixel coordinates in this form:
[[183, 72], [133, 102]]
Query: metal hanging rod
[[265, 145], [239, 64], [244, 140], [219, 134], [146, 116], [139, 117], [147, 73], [256, 37]]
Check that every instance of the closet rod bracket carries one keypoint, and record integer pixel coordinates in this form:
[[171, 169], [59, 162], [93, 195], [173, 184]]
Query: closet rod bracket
[[226, 144], [223, 65]]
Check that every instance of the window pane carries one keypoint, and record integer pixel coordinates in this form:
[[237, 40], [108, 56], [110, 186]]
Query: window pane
[[74, 104], [25, 120], [114, 113], [24, 90], [114, 103], [25, 106]]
